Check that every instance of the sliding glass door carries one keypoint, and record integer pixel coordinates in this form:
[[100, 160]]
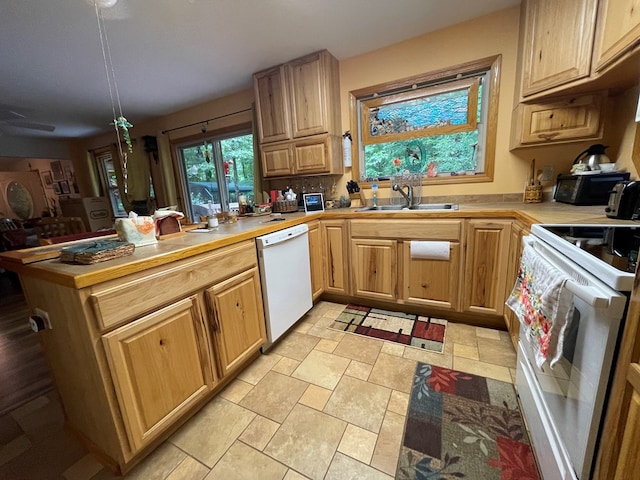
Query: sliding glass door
[[215, 171]]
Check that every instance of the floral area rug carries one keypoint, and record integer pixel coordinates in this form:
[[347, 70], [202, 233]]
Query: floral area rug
[[409, 329], [463, 426]]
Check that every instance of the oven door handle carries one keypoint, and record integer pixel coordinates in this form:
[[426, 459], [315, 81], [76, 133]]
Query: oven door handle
[[590, 295]]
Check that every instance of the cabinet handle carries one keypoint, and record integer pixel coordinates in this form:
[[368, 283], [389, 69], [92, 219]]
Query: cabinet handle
[[548, 136]]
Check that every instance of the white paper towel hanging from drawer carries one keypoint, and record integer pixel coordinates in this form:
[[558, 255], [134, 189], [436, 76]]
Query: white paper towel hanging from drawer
[[431, 250]]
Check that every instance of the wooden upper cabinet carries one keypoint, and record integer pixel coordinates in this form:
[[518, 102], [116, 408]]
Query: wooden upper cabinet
[[160, 367], [558, 120], [557, 43], [272, 104], [298, 106], [308, 80], [618, 30]]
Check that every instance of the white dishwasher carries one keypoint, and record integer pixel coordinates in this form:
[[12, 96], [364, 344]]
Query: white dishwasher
[[285, 274]]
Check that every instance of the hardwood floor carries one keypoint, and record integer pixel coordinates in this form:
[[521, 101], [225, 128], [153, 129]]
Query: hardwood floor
[[24, 373]]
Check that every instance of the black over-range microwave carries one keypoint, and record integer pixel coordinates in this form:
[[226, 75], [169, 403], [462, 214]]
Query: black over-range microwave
[[588, 189]]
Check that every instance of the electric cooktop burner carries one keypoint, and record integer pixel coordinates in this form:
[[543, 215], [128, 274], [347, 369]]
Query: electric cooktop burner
[[614, 245]]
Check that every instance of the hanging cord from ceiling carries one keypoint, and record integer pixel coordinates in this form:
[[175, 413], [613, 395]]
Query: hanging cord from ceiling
[[119, 120], [206, 122]]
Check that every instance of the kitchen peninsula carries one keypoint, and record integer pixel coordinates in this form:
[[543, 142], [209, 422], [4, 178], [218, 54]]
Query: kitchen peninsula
[[138, 344]]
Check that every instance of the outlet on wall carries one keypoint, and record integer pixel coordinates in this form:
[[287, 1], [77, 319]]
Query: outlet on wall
[[547, 174], [45, 317]]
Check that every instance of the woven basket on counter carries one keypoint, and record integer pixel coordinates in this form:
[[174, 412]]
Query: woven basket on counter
[[284, 206], [533, 194]]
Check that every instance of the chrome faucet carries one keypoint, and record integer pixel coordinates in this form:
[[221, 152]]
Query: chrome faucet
[[407, 196]]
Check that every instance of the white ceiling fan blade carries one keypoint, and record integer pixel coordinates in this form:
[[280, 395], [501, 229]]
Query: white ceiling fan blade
[[30, 125]]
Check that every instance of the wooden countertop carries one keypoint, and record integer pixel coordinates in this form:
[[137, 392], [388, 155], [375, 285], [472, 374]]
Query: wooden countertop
[[189, 244]]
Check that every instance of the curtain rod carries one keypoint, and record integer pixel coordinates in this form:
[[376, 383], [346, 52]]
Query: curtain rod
[[206, 121]]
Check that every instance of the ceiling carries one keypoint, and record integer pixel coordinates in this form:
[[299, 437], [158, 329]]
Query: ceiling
[[172, 54]]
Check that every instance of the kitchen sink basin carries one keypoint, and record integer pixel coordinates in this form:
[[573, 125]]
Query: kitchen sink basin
[[422, 206], [435, 206]]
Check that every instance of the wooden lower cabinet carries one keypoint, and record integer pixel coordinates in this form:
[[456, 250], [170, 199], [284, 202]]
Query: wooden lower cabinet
[[515, 254], [430, 282], [485, 270], [335, 245], [629, 458], [374, 268], [316, 260], [160, 366], [237, 319], [134, 356]]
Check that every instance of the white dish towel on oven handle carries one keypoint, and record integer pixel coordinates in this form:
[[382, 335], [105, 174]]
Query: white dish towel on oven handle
[[543, 305]]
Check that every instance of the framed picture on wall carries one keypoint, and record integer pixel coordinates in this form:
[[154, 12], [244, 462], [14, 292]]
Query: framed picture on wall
[[64, 187], [56, 188], [47, 179], [56, 170]]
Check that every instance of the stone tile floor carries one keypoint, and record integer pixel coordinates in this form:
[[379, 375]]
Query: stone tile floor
[[321, 404]]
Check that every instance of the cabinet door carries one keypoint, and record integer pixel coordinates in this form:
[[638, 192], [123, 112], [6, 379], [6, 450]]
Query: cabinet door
[[335, 247], [276, 160], [237, 319], [160, 367], [558, 120], [618, 30], [374, 268], [487, 252], [557, 44], [312, 156], [308, 87], [429, 282], [317, 265], [272, 105]]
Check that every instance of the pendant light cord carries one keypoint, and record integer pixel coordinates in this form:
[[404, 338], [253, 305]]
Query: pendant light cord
[[108, 65]]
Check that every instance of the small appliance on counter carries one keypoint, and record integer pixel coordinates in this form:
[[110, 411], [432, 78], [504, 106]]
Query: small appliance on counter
[[588, 188], [591, 159], [623, 200]]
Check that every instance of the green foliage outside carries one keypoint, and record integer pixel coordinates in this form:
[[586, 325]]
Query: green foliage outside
[[236, 151], [452, 153]]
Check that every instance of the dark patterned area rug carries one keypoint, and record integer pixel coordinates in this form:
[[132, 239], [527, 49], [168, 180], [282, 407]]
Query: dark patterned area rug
[[463, 426], [405, 328]]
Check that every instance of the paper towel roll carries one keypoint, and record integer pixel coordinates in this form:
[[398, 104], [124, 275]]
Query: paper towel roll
[[430, 250]]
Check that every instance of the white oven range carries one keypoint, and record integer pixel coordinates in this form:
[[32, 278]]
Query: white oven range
[[563, 406]]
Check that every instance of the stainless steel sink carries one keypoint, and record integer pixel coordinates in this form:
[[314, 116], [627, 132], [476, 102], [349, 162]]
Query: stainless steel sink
[[422, 206], [435, 206]]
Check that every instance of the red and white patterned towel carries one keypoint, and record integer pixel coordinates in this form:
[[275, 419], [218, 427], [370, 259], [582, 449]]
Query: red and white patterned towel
[[543, 304]]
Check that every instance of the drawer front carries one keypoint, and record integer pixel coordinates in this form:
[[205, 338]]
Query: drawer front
[[121, 300], [407, 229]]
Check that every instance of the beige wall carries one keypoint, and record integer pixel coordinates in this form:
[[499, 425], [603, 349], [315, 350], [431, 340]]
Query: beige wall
[[478, 38], [482, 37]]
